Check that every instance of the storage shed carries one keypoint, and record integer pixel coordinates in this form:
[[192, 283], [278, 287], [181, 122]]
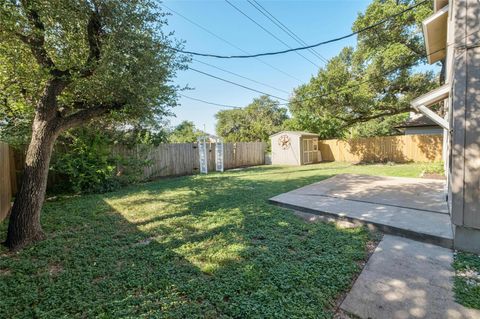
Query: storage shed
[[295, 148]]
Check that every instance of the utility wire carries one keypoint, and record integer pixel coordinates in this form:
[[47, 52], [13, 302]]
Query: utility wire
[[270, 33], [227, 42], [372, 26], [336, 92], [284, 28], [241, 76], [237, 84], [211, 103]]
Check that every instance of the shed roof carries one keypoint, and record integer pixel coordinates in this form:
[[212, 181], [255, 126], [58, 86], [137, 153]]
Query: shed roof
[[299, 133]]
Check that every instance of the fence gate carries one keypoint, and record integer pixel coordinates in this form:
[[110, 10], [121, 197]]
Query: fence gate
[[203, 156], [219, 155]]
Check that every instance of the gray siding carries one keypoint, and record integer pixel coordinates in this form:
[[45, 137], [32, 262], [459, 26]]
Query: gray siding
[[423, 130], [465, 175]]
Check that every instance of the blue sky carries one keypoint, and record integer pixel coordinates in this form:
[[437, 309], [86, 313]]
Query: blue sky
[[312, 21]]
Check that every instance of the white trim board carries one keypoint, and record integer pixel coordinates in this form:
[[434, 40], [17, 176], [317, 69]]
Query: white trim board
[[422, 102]]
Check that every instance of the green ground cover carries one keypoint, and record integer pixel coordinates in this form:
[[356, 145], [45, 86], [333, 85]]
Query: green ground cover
[[195, 246], [467, 279]]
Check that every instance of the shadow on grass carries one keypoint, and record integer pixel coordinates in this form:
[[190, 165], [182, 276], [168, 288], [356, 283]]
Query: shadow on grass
[[197, 246]]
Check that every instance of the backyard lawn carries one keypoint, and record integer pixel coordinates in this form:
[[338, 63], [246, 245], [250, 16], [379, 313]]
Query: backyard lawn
[[196, 246], [467, 279]]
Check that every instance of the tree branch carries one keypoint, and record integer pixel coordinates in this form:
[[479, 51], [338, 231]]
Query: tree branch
[[350, 122], [36, 41], [88, 114], [94, 33]]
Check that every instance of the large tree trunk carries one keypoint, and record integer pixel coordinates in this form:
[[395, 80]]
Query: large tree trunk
[[24, 226]]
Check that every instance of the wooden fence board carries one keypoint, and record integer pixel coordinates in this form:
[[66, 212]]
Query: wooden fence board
[[400, 149], [183, 158], [5, 180]]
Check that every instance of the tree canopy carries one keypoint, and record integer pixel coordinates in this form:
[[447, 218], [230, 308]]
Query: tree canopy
[[64, 63], [255, 122], [185, 132], [374, 81], [109, 57]]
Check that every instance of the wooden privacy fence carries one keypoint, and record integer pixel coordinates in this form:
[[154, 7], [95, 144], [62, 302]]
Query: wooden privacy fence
[[400, 149], [7, 179], [183, 159], [163, 160]]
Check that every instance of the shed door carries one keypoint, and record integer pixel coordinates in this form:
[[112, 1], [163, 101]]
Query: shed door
[[308, 151]]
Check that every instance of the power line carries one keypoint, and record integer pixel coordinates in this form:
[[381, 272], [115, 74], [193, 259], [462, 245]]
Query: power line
[[227, 42], [241, 76], [336, 92], [211, 103], [270, 33], [284, 28], [237, 84], [372, 26]]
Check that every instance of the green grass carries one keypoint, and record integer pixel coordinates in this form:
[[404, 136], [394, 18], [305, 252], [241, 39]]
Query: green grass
[[434, 168], [195, 246], [467, 279]]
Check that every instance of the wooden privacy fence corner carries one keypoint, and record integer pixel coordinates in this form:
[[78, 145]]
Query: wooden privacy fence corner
[[8, 183], [399, 149]]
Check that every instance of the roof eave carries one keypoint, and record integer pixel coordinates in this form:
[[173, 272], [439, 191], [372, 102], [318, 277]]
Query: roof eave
[[435, 35]]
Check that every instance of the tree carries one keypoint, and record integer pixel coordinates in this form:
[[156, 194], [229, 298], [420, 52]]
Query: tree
[[185, 132], [383, 126], [255, 122], [71, 61], [376, 80]]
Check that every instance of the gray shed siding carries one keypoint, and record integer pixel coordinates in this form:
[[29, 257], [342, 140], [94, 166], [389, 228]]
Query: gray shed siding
[[290, 156], [294, 154]]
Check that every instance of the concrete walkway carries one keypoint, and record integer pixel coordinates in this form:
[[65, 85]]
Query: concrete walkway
[[409, 207], [406, 279]]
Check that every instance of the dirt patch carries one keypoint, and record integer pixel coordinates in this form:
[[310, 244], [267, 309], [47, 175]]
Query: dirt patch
[[55, 269], [5, 272], [98, 279], [144, 242], [433, 176]]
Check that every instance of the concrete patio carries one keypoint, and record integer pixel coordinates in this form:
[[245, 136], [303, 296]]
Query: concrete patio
[[408, 207]]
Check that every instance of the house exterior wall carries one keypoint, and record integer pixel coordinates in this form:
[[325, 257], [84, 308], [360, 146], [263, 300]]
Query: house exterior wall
[[464, 179], [423, 131]]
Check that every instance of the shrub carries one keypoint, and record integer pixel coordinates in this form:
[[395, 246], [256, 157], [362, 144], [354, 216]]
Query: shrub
[[85, 163]]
